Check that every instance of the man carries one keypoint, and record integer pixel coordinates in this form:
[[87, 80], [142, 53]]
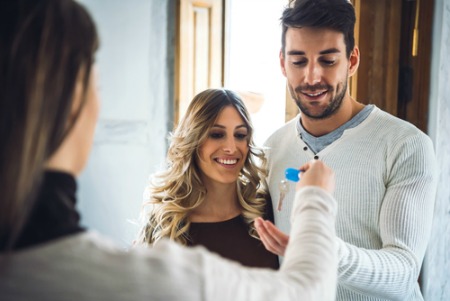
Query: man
[[385, 167]]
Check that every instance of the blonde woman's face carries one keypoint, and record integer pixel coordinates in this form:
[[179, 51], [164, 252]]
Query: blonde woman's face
[[223, 154]]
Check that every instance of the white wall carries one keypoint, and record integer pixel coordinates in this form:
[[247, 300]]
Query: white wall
[[135, 87]]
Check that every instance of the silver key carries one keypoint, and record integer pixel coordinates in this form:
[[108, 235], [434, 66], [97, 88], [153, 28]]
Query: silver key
[[284, 189]]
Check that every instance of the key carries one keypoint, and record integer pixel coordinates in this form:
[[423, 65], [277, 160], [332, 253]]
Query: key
[[284, 189], [291, 175]]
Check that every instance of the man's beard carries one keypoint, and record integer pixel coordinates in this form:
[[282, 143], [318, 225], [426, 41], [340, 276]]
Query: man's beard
[[332, 107]]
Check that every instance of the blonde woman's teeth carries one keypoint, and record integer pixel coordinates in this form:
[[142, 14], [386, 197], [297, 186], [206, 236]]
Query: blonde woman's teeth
[[227, 161]]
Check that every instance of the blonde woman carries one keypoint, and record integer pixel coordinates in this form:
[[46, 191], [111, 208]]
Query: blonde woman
[[212, 190]]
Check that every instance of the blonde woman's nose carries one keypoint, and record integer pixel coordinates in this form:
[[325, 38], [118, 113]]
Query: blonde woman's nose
[[229, 145]]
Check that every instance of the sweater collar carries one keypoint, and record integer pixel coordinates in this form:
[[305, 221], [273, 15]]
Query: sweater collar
[[54, 215]]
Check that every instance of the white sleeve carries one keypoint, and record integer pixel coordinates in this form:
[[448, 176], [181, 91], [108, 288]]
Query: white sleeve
[[99, 270], [405, 222]]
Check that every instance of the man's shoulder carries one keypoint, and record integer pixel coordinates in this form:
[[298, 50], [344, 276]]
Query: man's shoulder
[[398, 133], [394, 124]]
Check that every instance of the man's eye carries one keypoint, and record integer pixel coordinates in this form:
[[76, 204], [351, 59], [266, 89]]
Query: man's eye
[[328, 62], [299, 63]]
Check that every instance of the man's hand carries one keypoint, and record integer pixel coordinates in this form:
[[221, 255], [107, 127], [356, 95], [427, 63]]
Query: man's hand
[[273, 239]]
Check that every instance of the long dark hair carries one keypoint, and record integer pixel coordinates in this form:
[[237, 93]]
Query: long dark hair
[[45, 46]]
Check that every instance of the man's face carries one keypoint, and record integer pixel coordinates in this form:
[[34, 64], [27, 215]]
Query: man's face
[[317, 70]]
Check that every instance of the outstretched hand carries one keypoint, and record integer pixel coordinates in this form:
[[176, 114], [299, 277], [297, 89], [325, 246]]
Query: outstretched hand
[[272, 238]]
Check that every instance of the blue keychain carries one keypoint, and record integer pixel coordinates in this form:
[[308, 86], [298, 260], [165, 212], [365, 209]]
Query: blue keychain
[[290, 174]]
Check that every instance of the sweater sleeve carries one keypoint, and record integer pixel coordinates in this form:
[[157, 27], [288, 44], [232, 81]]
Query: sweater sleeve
[[404, 225], [308, 271]]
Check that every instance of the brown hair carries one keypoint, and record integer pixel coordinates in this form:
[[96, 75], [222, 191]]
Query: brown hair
[[337, 15], [45, 46]]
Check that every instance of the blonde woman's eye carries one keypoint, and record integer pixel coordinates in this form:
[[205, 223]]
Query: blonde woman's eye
[[241, 136], [216, 135]]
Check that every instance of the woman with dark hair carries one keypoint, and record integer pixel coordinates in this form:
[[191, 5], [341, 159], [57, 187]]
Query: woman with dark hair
[[48, 112], [213, 188], [47, 53]]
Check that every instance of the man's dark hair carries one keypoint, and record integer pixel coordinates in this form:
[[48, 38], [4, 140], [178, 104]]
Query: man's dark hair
[[338, 15]]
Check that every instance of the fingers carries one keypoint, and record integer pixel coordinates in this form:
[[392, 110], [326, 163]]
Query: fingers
[[306, 166], [268, 241], [317, 173], [272, 238]]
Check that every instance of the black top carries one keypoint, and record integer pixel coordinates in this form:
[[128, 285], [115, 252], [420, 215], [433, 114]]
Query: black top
[[231, 240], [54, 214]]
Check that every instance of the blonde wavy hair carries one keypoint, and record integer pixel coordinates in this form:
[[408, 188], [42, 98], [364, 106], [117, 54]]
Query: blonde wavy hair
[[175, 192]]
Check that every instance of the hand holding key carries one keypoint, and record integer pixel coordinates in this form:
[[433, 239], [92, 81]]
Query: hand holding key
[[291, 174], [316, 173], [321, 176]]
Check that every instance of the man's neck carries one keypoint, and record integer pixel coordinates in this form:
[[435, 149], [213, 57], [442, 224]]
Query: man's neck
[[320, 127]]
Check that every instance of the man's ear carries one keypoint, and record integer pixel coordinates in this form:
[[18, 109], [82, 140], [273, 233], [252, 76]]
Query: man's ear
[[283, 69], [353, 61]]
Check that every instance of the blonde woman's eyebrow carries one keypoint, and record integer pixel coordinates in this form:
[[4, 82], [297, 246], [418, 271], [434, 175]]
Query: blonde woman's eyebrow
[[223, 127]]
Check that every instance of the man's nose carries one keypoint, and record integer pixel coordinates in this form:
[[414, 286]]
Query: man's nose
[[313, 74]]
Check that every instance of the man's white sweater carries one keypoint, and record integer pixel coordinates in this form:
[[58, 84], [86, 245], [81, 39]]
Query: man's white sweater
[[386, 176]]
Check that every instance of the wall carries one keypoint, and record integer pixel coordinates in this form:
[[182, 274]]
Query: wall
[[135, 71], [436, 282]]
